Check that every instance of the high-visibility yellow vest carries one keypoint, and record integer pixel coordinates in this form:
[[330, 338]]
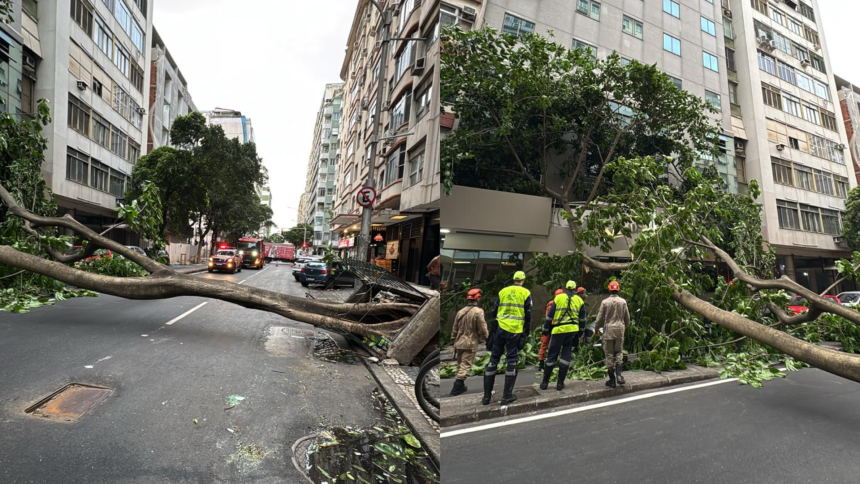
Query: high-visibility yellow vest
[[512, 308], [566, 316]]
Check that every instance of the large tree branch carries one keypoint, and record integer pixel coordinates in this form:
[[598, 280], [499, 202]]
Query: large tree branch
[[809, 315], [68, 222], [783, 283], [168, 284]]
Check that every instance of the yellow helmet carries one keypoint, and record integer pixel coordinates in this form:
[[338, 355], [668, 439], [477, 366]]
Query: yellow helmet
[[519, 276], [570, 285]]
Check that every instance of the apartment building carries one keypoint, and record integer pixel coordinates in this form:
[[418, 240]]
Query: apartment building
[[168, 94], [766, 68], [234, 123], [405, 223], [89, 60], [320, 193], [849, 102]]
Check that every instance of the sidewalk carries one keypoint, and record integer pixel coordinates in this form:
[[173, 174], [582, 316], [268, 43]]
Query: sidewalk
[[467, 408]]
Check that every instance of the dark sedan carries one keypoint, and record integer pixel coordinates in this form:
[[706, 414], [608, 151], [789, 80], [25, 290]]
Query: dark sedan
[[330, 277]]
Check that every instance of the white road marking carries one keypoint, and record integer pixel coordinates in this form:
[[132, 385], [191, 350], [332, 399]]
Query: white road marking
[[105, 358], [186, 313], [88, 366], [255, 275], [559, 413]]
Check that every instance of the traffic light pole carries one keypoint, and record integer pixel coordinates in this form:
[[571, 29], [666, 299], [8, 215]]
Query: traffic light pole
[[363, 253]]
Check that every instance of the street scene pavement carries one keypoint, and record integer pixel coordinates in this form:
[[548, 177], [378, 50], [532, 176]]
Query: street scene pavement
[[173, 367], [799, 429]]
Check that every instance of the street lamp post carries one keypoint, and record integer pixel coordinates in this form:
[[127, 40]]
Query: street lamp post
[[367, 212]]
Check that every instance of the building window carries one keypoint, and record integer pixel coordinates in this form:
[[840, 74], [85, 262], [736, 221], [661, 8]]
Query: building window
[[400, 113], [672, 8], [733, 93], [824, 183], [405, 7], [589, 8], [728, 29], [416, 168], [786, 73], [810, 113], [120, 101], [120, 59], [810, 218], [117, 183], [141, 5], [804, 177], [99, 175], [730, 59], [760, 5], [137, 78], [165, 115], [803, 81], [135, 112], [103, 38], [133, 151], [395, 165], [830, 219], [123, 16], [137, 36], [405, 59], [632, 27], [671, 44], [778, 16], [782, 172], [766, 63], [791, 104], [788, 217], [677, 82], [714, 100], [807, 11], [448, 15], [28, 85], [79, 116], [119, 143], [708, 26], [841, 186], [710, 61], [828, 120], [423, 100], [514, 25], [811, 35], [101, 130], [82, 14], [821, 90], [795, 26], [588, 49], [77, 166]]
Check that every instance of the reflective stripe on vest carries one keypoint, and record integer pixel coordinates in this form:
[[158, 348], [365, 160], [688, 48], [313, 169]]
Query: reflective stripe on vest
[[512, 308], [566, 317]]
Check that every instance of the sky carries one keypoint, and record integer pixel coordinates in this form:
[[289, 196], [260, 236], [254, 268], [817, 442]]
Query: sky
[[839, 19], [270, 59]]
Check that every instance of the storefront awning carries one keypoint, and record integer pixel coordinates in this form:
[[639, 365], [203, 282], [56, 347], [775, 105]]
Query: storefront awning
[[30, 33]]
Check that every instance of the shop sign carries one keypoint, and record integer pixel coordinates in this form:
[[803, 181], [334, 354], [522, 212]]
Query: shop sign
[[392, 250]]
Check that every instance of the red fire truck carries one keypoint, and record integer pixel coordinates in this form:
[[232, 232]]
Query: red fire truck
[[280, 252], [252, 252]]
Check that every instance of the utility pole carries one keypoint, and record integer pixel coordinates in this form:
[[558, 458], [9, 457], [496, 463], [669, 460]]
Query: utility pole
[[363, 253]]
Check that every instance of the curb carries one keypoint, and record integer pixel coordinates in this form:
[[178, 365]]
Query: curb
[[413, 417], [192, 271], [468, 409]]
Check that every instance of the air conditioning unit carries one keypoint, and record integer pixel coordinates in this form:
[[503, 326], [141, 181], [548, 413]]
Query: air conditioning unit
[[727, 13], [352, 74], [766, 44], [358, 118], [468, 14], [840, 147], [378, 45], [817, 47], [82, 85], [780, 147], [839, 240], [29, 61], [805, 63], [328, 101], [141, 111], [418, 67], [136, 54], [364, 104]]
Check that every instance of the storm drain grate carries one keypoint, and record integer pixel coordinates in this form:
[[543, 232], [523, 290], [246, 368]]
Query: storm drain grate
[[326, 348], [69, 403]]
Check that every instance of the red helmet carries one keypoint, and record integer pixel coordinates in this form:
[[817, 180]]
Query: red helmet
[[580, 290], [559, 291], [475, 294], [613, 286]]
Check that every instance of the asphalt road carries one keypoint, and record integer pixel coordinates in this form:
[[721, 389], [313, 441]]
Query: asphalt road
[[803, 429], [163, 377]]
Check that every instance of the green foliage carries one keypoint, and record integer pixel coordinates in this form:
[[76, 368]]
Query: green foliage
[[851, 219], [299, 234], [115, 266], [144, 214], [275, 238]]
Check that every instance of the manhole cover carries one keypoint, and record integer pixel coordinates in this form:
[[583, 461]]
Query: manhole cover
[[70, 402]]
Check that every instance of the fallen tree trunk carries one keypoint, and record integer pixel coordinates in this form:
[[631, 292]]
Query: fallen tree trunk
[[415, 336]]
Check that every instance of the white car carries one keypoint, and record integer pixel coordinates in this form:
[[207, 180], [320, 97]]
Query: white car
[[301, 262], [849, 298]]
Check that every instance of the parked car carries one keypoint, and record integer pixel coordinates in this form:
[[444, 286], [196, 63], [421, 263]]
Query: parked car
[[300, 263], [799, 304], [227, 260], [137, 250], [849, 298], [330, 277], [98, 254]]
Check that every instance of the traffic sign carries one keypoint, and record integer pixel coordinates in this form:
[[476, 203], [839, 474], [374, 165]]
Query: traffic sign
[[366, 196]]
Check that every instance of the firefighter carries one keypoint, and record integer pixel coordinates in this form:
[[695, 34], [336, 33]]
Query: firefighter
[[565, 325], [613, 311], [469, 329], [513, 316], [544, 334]]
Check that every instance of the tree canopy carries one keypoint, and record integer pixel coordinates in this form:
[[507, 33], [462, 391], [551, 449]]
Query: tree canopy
[[632, 150]]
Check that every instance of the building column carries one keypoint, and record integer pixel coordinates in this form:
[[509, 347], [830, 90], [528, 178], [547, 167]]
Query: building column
[[789, 267]]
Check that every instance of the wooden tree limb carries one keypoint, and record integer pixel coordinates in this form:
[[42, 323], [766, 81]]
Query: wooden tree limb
[[70, 223], [167, 284], [810, 315], [60, 257]]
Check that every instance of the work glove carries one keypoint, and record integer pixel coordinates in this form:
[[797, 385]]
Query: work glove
[[522, 342], [490, 339]]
